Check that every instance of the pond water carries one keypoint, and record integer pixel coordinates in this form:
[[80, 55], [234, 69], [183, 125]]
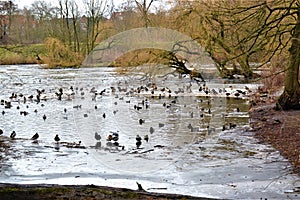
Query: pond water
[[199, 144]]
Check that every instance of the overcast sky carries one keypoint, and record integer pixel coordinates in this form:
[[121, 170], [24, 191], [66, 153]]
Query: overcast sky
[[27, 3]]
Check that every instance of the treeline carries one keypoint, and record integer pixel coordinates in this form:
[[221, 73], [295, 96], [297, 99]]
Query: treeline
[[70, 32]]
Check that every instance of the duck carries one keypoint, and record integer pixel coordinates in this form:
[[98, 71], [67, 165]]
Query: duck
[[35, 136], [232, 125], [109, 138], [160, 125], [56, 138], [13, 135], [97, 136], [44, 117], [141, 121], [146, 137], [138, 141], [1, 131], [151, 130], [115, 136]]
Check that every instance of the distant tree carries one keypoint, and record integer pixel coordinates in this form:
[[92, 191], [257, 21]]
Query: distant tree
[[96, 11], [7, 9], [144, 7], [46, 17], [69, 23]]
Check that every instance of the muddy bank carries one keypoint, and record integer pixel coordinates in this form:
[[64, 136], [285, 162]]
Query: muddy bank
[[39, 192], [281, 129]]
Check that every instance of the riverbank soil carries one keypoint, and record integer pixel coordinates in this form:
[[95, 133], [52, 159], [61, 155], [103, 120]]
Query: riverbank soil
[[88, 192], [281, 129]]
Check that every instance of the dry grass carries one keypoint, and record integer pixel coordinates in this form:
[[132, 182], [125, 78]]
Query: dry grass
[[140, 57], [20, 54], [60, 55]]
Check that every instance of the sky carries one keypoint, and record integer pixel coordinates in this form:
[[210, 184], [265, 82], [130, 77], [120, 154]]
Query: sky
[[27, 3]]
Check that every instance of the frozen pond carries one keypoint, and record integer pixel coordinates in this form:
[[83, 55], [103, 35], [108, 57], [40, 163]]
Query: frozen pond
[[199, 144]]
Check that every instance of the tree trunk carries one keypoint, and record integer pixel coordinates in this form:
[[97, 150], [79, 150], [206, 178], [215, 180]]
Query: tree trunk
[[290, 97]]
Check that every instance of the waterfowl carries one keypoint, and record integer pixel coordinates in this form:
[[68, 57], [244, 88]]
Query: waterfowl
[[44, 117], [97, 136], [115, 136], [1, 131], [13, 135], [109, 138], [104, 115], [223, 128], [236, 94], [151, 130], [35, 136], [138, 138], [56, 138], [141, 121], [231, 125], [192, 114], [146, 137], [98, 145], [160, 125], [138, 141]]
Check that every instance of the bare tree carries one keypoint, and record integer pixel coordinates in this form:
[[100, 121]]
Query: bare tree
[[46, 16], [69, 17], [143, 7], [96, 11], [241, 31], [277, 25], [7, 8]]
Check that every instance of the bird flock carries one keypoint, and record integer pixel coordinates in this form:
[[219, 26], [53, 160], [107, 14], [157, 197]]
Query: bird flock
[[123, 92]]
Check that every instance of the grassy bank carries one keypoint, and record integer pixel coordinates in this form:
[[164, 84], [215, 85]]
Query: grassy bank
[[55, 54], [21, 54]]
